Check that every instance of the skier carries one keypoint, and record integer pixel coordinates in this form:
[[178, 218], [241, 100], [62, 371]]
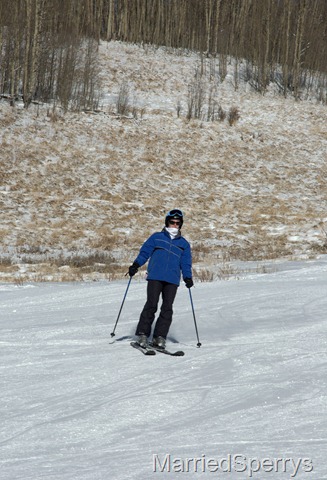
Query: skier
[[170, 256]]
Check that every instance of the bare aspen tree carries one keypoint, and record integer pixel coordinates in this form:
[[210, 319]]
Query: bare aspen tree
[[264, 80], [239, 37], [298, 47], [34, 15], [3, 25], [315, 41], [180, 17], [215, 41], [111, 31], [141, 12], [97, 19], [14, 39], [286, 45], [232, 40], [168, 25], [208, 17], [28, 41]]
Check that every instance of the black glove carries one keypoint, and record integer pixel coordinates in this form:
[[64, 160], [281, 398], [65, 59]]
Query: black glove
[[133, 269], [188, 282]]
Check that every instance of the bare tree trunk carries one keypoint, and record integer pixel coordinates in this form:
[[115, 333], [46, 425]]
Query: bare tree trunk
[[28, 29], [267, 50], [208, 17], [298, 47], [34, 12], [216, 28], [286, 46], [111, 20]]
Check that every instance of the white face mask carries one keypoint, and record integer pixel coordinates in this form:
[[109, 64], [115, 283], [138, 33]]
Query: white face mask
[[173, 232]]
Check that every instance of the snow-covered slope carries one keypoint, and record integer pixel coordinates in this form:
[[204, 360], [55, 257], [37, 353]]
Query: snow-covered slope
[[93, 186], [250, 403]]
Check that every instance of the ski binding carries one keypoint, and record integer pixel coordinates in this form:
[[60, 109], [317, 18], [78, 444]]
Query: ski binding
[[144, 350]]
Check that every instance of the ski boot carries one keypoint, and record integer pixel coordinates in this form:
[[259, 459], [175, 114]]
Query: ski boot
[[143, 341], [159, 342]]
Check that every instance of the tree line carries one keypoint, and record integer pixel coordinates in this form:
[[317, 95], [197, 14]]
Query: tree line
[[48, 48], [48, 52]]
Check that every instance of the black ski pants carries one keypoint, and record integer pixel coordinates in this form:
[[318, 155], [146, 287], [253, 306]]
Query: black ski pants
[[168, 292]]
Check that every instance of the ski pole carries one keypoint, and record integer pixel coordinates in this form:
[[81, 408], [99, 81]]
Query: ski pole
[[121, 307], [196, 328]]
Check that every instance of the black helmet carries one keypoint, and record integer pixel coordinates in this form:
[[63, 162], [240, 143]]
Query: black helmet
[[176, 214]]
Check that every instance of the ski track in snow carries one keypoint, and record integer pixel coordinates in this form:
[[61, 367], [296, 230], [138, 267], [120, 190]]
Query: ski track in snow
[[77, 404]]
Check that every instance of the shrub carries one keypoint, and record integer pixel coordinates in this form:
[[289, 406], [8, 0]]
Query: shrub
[[122, 105], [233, 115]]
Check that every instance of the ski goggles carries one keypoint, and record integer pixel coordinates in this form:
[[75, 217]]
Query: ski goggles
[[175, 212]]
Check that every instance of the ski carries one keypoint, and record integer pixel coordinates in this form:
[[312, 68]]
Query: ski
[[145, 351], [177, 353]]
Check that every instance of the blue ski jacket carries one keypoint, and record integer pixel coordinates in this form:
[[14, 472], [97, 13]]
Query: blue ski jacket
[[168, 257]]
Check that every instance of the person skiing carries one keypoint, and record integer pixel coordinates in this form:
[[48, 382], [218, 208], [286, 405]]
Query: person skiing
[[170, 256]]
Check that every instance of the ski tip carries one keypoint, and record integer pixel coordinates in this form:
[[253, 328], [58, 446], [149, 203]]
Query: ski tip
[[179, 354]]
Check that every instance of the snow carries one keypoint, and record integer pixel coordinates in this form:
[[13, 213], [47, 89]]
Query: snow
[[77, 404]]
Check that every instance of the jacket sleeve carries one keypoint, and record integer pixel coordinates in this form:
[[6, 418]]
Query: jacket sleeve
[[146, 250], [186, 262]]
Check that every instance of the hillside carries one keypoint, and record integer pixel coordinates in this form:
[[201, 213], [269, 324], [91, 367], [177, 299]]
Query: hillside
[[79, 192]]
